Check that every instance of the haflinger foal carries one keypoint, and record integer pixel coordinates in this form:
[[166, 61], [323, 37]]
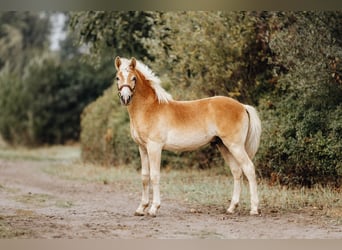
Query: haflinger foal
[[158, 122]]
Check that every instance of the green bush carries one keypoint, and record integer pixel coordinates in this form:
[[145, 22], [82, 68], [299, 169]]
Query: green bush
[[44, 105], [94, 127], [297, 150], [14, 118], [301, 142]]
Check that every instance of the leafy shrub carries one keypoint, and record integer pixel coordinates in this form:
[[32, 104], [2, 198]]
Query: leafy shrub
[[14, 117], [302, 133], [291, 155], [105, 137], [44, 105]]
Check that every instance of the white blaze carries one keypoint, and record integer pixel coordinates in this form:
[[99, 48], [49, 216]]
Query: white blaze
[[126, 93]]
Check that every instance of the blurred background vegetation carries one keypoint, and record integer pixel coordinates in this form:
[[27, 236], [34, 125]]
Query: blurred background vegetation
[[287, 64]]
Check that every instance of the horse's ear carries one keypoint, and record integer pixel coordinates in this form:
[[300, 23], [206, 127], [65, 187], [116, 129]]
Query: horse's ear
[[133, 63], [117, 62]]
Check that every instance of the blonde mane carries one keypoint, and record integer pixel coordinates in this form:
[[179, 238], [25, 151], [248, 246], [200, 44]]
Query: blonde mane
[[162, 95]]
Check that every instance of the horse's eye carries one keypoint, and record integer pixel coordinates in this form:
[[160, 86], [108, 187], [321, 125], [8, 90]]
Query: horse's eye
[[134, 78], [117, 78]]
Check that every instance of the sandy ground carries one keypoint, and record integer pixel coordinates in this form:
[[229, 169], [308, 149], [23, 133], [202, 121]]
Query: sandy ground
[[37, 205]]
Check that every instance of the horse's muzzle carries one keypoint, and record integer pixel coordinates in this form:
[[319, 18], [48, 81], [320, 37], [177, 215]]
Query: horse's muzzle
[[125, 93], [125, 100]]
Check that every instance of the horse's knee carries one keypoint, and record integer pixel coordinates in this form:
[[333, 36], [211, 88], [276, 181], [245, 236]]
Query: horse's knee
[[155, 179], [145, 179]]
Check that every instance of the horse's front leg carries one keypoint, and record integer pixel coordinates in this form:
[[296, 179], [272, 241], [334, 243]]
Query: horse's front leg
[[154, 156], [145, 177]]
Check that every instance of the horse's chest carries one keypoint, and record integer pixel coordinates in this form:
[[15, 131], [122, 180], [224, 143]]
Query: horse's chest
[[137, 135]]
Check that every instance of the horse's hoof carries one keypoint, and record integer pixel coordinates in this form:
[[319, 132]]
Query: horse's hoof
[[138, 213], [254, 212], [152, 214], [230, 210]]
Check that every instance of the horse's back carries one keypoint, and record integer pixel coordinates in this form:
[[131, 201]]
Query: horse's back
[[210, 109]]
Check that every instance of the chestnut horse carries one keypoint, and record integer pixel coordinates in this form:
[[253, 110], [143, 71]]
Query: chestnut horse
[[158, 122]]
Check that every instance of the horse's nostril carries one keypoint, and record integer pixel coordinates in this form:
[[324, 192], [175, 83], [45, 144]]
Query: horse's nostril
[[125, 100]]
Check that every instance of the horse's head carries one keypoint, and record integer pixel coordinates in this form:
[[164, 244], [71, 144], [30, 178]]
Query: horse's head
[[126, 79]]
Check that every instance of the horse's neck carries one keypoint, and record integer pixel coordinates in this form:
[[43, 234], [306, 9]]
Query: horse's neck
[[143, 100]]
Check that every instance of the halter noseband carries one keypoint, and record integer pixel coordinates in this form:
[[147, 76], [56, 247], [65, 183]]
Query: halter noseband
[[128, 86]]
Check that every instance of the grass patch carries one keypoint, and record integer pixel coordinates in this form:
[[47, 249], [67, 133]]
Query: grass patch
[[64, 204], [8, 232], [201, 187], [34, 199], [42, 200], [57, 153], [9, 189], [207, 188], [123, 177]]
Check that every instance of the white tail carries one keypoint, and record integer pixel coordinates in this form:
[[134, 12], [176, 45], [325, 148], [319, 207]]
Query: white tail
[[254, 132]]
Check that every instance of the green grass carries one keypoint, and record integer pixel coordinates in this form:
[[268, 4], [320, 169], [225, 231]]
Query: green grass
[[43, 200], [8, 232], [121, 176], [206, 187], [34, 199], [56, 153]]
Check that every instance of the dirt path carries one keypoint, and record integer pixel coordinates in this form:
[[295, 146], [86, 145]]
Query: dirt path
[[34, 204]]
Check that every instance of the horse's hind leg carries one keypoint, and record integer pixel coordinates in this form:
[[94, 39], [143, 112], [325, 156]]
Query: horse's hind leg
[[241, 157], [237, 175]]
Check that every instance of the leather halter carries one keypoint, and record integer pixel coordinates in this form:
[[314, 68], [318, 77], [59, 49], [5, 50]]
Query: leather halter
[[128, 86]]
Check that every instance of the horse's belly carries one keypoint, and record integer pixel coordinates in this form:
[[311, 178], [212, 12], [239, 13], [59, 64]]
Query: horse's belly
[[186, 141]]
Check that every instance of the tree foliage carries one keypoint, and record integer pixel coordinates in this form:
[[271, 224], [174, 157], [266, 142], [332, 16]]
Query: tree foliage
[[45, 106], [113, 32], [226, 54], [22, 34], [42, 94]]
